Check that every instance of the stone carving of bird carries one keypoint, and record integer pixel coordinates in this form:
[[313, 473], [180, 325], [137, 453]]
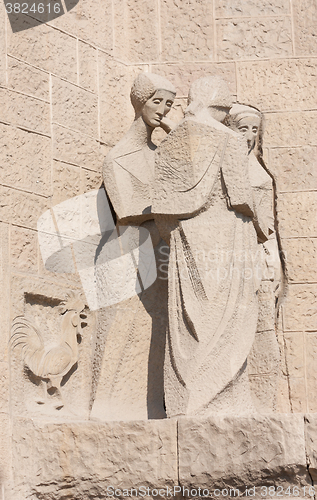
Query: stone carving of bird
[[53, 363]]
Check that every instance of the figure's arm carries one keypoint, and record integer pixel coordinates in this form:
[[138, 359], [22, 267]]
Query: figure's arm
[[167, 125]]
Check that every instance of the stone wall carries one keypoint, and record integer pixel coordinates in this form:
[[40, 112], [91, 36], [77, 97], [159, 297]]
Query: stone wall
[[64, 90]]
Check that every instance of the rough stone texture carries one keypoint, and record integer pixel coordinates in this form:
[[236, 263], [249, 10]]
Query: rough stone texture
[[86, 459], [87, 61], [2, 47], [187, 30], [137, 34], [93, 54], [66, 181], [295, 129], [90, 21], [301, 255], [76, 148], [27, 79], [29, 157], [75, 108], [299, 309], [295, 168], [45, 48], [296, 212], [310, 441], [305, 27], [184, 74], [116, 112], [224, 452], [311, 371], [279, 84], [254, 39], [24, 249], [26, 208], [251, 8], [24, 111]]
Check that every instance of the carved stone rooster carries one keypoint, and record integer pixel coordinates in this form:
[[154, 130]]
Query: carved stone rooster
[[51, 364]]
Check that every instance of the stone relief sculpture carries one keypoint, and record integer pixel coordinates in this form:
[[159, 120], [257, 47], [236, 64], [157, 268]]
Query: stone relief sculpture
[[51, 362], [202, 185], [128, 370], [212, 202], [249, 122]]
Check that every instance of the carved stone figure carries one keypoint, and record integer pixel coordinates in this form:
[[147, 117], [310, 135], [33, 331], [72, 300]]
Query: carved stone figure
[[129, 167], [128, 368], [202, 187], [51, 363], [249, 122]]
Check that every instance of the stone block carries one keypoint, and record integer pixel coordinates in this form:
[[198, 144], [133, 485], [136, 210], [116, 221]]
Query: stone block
[[90, 180], [24, 111], [301, 259], [116, 111], [267, 37], [25, 160], [2, 46], [183, 75], [296, 214], [75, 108], [290, 129], [26, 208], [24, 255], [299, 308], [295, 354], [295, 168], [278, 84], [45, 48], [90, 21], [251, 8], [76, 148], [90, 457], [26, 79], [305, 27], [298, 394], [66, 182], [5, 205], [283, 395], [311, 443], [226, 452], [88, 70], [136, 30], [187, 30], [311, 370], [5, 290]]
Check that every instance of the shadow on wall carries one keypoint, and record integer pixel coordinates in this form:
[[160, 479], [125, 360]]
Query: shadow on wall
[[31, 13]]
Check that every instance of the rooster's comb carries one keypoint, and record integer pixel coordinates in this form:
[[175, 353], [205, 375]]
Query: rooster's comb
[[74, 301]]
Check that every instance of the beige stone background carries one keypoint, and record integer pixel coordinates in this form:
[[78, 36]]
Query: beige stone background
[[64, 90]]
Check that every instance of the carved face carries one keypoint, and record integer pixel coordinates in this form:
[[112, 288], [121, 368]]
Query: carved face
[[249, 127], [157, 107]]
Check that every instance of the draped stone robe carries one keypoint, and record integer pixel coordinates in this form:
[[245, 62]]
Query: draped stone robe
[[202, 186]]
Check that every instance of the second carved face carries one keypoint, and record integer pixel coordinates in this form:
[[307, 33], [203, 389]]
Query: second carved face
[[157, 107], [249, 127]]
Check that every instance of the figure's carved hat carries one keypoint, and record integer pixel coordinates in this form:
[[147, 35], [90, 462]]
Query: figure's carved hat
[[145, 85], [243, 110], [210, 91]]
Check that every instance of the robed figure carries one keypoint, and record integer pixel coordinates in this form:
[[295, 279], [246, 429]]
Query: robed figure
[[202, 192]]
